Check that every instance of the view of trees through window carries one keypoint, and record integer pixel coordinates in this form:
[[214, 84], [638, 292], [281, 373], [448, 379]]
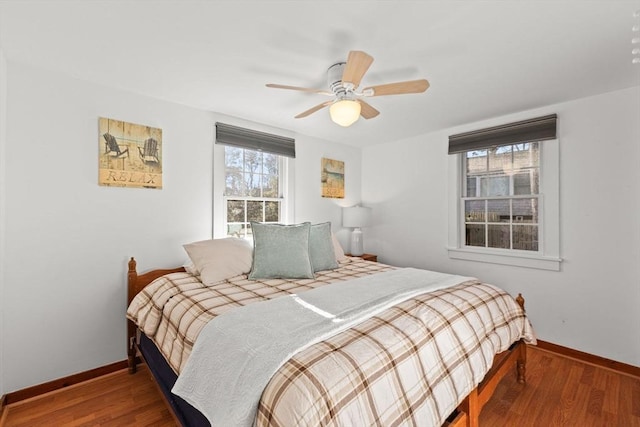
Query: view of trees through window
[[500, 197], [252, 189]]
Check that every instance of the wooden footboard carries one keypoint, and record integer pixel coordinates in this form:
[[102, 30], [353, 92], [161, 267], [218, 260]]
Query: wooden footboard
[[469, 411], [503, 363], [467, 414]]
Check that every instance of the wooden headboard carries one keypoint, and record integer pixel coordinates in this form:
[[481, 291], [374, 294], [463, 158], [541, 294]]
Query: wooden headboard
[[135, 283]]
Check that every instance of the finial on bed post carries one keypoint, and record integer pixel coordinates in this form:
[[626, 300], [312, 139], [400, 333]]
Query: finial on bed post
[[519, 300], [132, 265]]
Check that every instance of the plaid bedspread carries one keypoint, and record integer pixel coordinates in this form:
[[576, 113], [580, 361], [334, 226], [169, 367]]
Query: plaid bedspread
[[174, 308], [411, 365]]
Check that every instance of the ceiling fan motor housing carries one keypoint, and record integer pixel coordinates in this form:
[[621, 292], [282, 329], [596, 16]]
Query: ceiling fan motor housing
[[334, 80]]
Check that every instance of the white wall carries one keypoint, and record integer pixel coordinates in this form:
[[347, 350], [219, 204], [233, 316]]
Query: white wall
[[592, 303], [310, 205], [68, 240]]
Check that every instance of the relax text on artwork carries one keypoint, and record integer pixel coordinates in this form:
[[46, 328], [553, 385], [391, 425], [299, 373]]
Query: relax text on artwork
[[120, 178]]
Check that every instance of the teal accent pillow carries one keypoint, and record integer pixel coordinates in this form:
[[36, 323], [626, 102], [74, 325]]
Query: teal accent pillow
[[321, 250], [281, 251]]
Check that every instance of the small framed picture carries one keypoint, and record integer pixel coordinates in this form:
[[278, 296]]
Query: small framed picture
[[130, 155], [332, 178]]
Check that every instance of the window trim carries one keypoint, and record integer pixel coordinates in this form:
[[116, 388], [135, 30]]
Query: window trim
[[548, 256]]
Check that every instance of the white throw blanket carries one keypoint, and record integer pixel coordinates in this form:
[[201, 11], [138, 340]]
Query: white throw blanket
[[237, 353]]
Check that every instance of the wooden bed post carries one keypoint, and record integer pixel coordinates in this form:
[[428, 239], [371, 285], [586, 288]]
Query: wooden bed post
[[521, 364], [132, 277], [472, 408]]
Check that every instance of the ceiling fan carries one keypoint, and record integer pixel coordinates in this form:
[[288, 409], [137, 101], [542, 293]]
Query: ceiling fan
[[347, 103]]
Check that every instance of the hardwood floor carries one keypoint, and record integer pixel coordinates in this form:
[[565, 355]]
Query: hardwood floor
[[117, 399], [564, 392], [559, 392]]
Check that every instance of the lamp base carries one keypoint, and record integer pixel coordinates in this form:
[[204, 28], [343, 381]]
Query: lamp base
[[357, 248]]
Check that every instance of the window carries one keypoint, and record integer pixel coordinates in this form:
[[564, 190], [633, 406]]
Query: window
[[251, 171], [504, 198], [500, 200], [252, 189]]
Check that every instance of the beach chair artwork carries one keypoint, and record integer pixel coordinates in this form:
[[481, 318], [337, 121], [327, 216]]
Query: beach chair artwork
[[149, 152], [111, 147], [130, 154]]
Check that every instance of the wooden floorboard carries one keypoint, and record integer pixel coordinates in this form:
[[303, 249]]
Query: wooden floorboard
[[560, 391], [117, 399]]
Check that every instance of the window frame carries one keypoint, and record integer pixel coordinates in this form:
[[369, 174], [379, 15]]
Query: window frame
[[247, 198], [219, 209], [511, 197], [548, 255]]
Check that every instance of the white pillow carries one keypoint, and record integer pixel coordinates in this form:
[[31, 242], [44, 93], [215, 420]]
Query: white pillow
[[220, 259], [190, 267], [337, 249]]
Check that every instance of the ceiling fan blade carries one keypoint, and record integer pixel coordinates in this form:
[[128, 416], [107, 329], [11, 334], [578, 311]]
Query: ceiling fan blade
[[358, 63], [413, 86], [367, 111], [313, 109], [302, 89]]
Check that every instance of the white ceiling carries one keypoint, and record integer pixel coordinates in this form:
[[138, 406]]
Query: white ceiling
[[482, 58]]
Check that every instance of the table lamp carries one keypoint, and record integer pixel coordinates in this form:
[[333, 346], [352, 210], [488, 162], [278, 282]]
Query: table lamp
[[356, 217]]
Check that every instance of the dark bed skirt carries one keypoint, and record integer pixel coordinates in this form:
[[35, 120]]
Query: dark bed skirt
[[166, 378]]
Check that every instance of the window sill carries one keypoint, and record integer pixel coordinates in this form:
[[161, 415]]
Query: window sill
[[514, 259]]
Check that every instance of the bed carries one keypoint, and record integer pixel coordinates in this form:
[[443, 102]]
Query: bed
[[393, 368]]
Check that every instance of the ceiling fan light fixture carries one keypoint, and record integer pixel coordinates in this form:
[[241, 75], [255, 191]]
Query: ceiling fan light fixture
[[345, 112]]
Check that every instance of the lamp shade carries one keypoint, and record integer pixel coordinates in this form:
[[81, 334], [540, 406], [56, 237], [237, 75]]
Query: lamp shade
[[345, 112], [356, 216]]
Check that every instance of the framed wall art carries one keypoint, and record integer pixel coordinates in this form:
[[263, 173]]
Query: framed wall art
[[130, 154], [332, 178]]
